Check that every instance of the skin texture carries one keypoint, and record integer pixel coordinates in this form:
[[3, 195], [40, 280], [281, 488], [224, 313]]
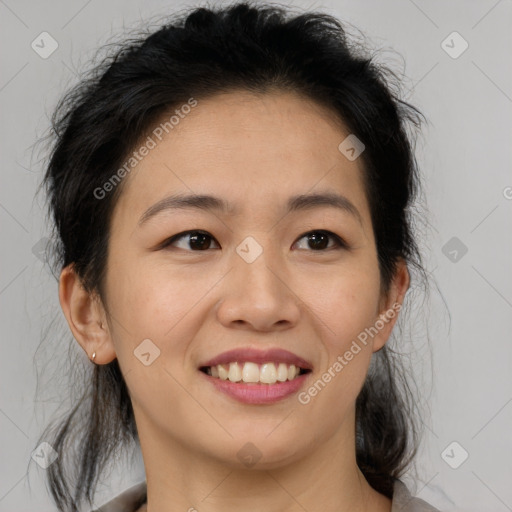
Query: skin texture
[[254, 151]]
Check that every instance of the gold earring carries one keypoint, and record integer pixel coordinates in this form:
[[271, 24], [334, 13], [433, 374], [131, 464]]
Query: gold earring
[[93, 356]]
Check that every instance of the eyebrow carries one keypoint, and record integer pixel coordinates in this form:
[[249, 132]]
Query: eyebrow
[[212, 203]]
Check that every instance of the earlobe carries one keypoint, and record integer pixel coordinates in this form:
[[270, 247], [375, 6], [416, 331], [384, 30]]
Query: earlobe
[[86, 317], [391, 305]]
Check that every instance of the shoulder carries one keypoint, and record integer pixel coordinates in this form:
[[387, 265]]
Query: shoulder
[[132, 498], [404, 502], [128, 501]]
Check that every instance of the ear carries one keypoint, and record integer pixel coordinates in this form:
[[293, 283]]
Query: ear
[[390, 305], [86, 317]]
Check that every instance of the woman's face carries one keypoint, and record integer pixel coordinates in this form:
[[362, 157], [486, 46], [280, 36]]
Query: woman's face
[[257, 279]]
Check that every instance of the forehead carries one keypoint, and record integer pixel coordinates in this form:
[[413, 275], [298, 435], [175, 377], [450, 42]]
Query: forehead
[[249, 148]]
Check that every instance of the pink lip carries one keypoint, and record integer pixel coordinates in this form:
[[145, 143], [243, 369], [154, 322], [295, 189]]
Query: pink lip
[[258, 393], [275, 355]]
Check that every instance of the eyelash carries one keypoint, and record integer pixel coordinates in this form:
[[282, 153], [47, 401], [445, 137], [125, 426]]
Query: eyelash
[[339, 242]]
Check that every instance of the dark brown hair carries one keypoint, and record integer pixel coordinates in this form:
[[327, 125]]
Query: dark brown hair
[[96, 125]]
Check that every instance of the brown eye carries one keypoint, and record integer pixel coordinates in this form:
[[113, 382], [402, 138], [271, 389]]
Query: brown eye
[[319, 240], [193, 240], [197, 240]]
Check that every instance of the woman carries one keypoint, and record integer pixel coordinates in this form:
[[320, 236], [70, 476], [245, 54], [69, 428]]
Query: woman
[[231, 200]]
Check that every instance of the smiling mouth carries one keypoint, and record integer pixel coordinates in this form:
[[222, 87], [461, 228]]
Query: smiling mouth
[[252, 373]]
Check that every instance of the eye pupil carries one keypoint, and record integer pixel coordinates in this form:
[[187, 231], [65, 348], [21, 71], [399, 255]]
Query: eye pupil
[[319, 240], [203, 240]]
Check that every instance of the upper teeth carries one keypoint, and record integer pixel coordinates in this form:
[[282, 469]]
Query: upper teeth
[[268, 373]]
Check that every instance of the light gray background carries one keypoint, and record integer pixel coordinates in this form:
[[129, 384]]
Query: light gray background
[[464, 153]]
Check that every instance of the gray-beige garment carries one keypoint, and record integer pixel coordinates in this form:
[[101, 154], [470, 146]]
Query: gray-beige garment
[[131, 500]]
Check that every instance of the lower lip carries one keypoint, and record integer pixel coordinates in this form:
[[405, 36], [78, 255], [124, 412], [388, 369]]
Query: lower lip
[[258, 393]]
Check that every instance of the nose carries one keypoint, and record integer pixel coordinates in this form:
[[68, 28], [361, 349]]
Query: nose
[[258, 295]]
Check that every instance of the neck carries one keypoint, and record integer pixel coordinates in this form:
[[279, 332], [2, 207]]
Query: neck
[[183, 479]]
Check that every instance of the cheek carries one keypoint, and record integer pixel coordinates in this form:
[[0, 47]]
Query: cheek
[[141, 305], [347, 303], [141, 294], [163, 306], [344, 308]]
